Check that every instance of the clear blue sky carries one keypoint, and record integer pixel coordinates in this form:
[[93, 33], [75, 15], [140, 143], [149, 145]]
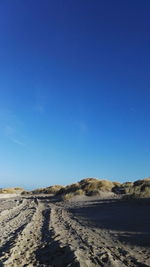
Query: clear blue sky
[[74, 91]]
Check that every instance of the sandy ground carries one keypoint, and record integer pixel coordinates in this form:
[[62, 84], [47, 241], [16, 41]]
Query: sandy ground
[[39, 231], [8, 195]]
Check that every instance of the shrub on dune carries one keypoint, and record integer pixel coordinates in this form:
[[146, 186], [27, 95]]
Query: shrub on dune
[[139, 189], [68, 196], [90, 185]]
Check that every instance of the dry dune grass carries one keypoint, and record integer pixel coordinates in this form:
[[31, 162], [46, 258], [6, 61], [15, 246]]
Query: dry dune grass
[[11, 190], [139, 189], [70, 191], [126, 187], [48, 190], [88, 186], [70, 195], [103, 185], [93, 187], [53, 189]]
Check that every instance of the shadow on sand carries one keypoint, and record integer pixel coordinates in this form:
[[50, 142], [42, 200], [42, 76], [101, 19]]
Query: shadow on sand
[[129, 220]]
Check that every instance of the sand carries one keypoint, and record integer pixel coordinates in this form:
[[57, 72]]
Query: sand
[[41, 231], [2, 196]]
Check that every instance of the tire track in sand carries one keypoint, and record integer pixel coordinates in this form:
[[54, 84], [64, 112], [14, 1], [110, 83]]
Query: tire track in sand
[[25, 240], [9, 214], [53, 252], [12, 225], [67, 244]]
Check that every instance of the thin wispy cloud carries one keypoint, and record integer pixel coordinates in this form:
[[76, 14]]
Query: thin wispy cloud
[[10, 126], [10, 119], [11, 133], [17, 142]]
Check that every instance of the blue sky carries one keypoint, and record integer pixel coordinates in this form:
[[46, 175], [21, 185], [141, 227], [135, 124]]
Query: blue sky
[[74, 91]]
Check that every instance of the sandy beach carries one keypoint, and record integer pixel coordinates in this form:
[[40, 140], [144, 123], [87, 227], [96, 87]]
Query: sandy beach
[[40, 231]]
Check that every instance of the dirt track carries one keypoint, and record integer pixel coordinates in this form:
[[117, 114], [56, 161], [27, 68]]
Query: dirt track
[[41, 232]]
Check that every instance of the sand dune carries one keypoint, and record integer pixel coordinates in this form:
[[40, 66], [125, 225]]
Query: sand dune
[[39, 231]]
